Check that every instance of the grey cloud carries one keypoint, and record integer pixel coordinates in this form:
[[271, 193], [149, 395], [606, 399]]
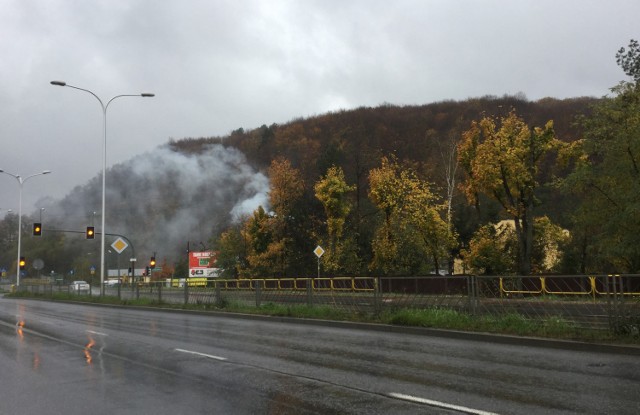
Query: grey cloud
[[216, 66]]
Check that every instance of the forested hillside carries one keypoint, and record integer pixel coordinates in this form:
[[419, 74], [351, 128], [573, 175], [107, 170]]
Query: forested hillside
[[422, 139], [387, 190], [356, 139]]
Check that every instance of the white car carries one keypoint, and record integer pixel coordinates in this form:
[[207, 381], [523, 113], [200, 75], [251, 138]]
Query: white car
[[80, 286]]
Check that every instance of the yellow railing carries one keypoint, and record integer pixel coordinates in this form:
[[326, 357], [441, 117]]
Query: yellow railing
[[300, 284], [544, 285], [344, 284], [590, 290]]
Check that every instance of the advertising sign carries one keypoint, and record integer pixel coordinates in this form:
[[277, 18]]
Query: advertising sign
[[203, 264]]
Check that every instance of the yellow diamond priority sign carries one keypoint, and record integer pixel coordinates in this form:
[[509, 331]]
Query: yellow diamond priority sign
[[119, 245], [318, 251]]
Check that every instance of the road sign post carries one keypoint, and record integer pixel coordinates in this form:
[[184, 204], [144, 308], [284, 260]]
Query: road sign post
[[319, 252], [133, 271]]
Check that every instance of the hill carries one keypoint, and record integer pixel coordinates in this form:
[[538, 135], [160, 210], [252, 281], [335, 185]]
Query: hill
[[356, 139], [190, 190]]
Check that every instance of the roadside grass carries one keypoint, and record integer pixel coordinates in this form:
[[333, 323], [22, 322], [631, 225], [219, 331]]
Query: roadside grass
[[436, 318], [513, 323]]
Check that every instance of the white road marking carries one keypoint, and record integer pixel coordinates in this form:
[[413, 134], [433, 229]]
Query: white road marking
[[210, 356], [439, 404], [97, 333]]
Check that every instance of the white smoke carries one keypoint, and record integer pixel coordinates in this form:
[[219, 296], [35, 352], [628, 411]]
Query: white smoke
[[163, 199]]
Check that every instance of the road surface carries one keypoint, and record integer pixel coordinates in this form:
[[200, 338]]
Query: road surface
[[79, 359]]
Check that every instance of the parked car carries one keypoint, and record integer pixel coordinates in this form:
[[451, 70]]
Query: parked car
[[80, 287]]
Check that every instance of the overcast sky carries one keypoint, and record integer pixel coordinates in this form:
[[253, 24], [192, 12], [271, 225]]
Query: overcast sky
[[216, 66]]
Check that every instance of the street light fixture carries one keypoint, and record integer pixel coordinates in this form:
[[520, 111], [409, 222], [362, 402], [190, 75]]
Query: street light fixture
[[21, 181], [104, 163]]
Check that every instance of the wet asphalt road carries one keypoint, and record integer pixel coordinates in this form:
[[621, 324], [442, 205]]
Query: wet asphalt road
[[70, 359]]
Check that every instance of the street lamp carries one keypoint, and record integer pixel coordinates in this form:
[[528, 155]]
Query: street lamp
[[21, 181], [104, 164]]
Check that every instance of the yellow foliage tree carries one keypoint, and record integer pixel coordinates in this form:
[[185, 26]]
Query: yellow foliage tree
[[501, 159], [413, 228], [333, 192], [271, 236]]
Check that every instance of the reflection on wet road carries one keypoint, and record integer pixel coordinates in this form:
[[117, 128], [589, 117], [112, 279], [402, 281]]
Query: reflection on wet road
[[78, 359]]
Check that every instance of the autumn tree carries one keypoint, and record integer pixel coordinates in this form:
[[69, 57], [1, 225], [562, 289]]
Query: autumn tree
[[274, 242], [262, 258], [272, 238], [333, 192], [493, 248], [446, 169], [447, 165], [549, 245], [491, 251], [286, 189], [424, 215], [412, 228], [167, 271], [232, 251], [501, 159], [386, 195], [8, 236], [607, 178]]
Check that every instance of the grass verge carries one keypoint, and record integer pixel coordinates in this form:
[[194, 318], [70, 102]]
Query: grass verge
[[438, 318]]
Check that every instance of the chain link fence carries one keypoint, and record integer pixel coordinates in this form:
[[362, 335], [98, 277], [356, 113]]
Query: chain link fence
[[608, 302]]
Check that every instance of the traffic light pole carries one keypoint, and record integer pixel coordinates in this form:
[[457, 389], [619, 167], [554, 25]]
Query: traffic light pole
[[21, 181], [133, 256]]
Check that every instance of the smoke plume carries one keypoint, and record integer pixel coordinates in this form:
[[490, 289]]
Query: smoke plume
[[163, 199]]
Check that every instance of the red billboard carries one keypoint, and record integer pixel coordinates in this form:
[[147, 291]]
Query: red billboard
[[203, 264]]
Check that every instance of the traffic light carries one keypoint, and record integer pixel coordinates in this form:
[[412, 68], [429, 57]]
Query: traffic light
[[152, 262], [90, 233], [23, 263], [37, 229]]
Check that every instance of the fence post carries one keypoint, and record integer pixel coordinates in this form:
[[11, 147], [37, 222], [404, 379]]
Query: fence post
[[218, 293], [258, 293], [615, 295], [160, 292], [310, 292], [472, 292], [377, 303], [137, 291], [186, 291]]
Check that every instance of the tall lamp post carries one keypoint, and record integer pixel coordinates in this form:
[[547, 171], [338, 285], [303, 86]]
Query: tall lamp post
[[21, 181], [104, 164]]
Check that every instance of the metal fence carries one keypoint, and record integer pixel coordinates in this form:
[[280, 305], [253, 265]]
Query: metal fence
[[610, 302]]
